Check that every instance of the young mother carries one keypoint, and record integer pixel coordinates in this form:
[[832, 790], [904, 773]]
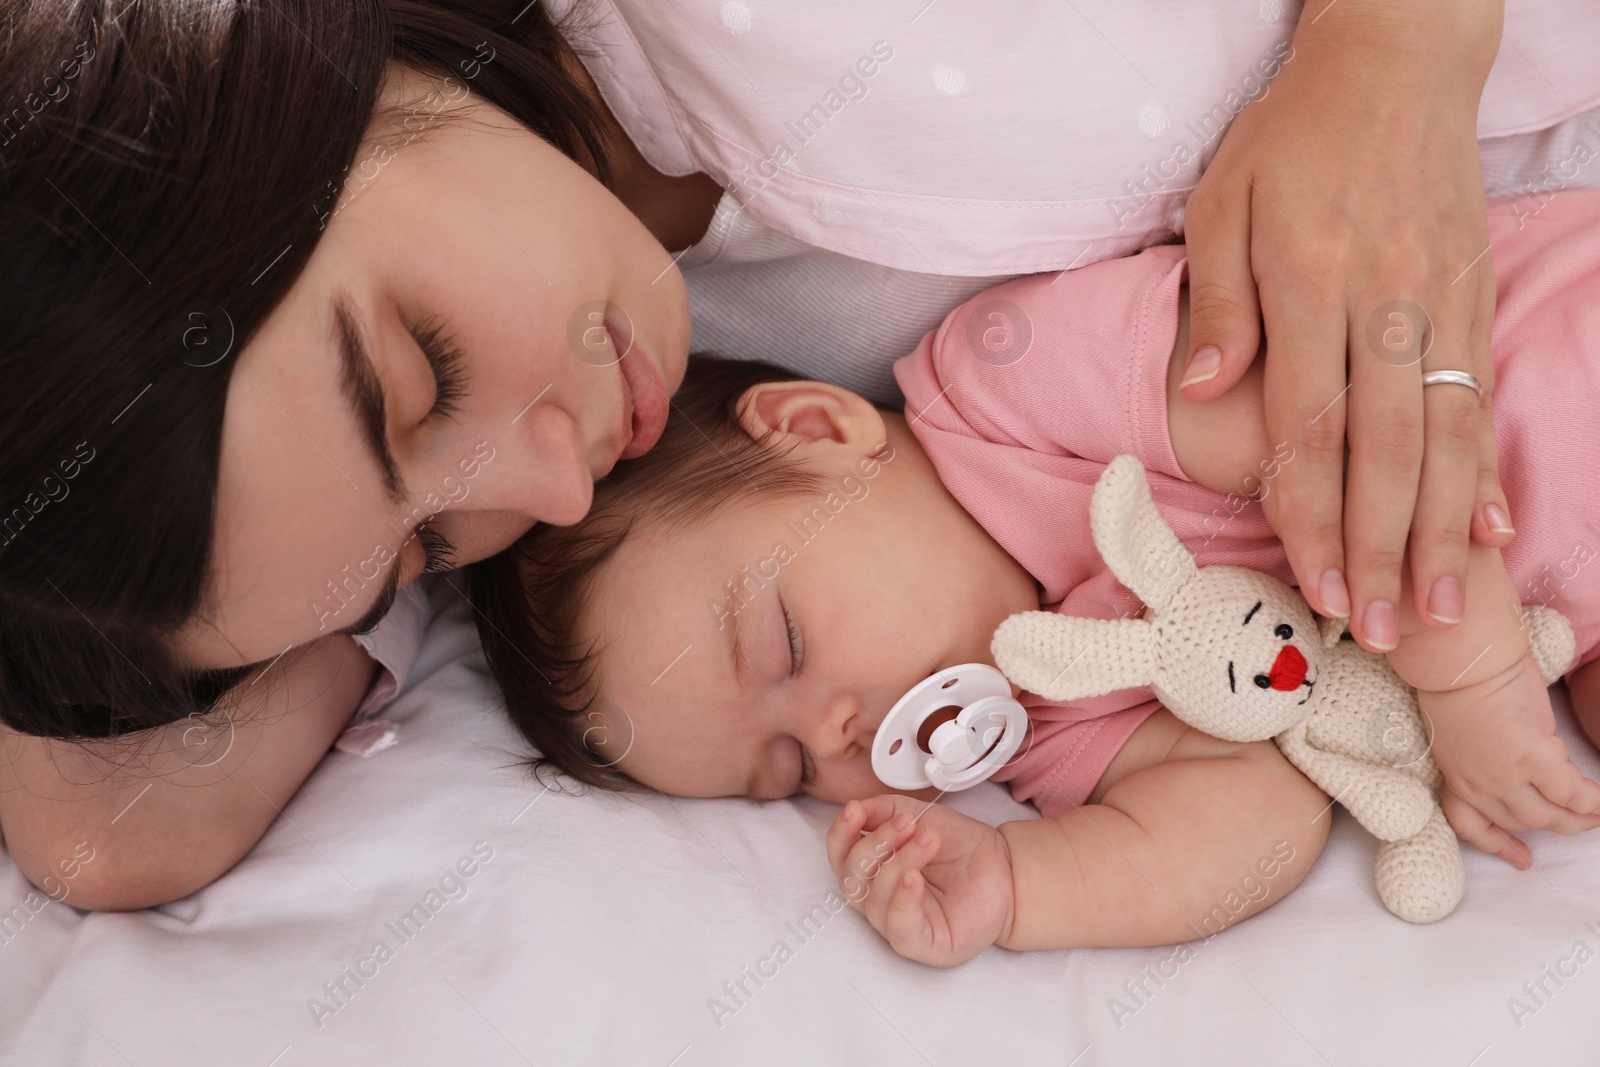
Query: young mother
[[304, 300]]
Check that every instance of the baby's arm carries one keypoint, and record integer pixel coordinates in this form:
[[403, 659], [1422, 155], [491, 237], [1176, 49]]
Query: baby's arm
[[1222, 444], [1489, 712], [1184, 836]]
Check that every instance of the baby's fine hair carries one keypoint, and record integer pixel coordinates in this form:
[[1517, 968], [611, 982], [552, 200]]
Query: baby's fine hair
[[529, 597]]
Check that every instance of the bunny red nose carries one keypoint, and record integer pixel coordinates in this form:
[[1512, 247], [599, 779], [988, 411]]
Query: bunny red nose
[[1289, 669]]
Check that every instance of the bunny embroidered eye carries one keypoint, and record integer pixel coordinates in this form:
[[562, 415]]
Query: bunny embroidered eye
[[1284, 631], [1263, 682]]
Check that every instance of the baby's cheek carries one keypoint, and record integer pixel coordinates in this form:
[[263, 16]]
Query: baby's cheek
[[840, 783], [857, 782]]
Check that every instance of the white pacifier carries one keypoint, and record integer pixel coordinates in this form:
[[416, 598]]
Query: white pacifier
[[985, 733]]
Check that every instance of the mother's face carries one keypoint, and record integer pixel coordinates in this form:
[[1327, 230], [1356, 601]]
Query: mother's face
[[449, 351]]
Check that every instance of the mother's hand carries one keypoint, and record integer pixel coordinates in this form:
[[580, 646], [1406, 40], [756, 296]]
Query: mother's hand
[[1345, 208]]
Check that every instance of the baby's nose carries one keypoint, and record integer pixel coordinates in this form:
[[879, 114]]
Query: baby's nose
[[1289, 669], [841, 730]]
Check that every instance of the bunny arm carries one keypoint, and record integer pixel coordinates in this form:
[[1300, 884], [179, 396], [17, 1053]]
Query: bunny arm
[[1064, 657], [1551, 641], [1391, 805]]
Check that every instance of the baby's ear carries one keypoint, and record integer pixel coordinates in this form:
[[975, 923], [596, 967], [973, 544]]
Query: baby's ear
[[1062, 657], [1134, 539], [799, 414]]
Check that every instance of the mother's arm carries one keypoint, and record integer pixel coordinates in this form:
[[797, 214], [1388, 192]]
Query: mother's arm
[[1345, 208], [143, 820]]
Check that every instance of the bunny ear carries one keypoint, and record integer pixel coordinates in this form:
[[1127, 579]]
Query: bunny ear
[[1061, 657], [1332, 629], [1133, 538], [1551, 641]]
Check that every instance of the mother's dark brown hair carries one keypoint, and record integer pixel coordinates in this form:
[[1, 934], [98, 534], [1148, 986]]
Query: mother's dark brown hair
[[166, 167]]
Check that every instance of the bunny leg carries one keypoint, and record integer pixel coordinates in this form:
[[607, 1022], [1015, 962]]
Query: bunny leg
[[1421, 879]]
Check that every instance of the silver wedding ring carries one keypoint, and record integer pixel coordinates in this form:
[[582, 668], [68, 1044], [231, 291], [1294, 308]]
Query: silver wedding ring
[[1453, 377]]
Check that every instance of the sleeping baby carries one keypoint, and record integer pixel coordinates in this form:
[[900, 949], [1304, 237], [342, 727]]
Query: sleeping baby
[[743, 605]]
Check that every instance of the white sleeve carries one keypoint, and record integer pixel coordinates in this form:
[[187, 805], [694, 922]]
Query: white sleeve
[[394, 644]]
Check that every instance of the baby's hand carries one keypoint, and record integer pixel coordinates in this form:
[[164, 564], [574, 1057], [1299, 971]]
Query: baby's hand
[[1504, 767], [935, 883]]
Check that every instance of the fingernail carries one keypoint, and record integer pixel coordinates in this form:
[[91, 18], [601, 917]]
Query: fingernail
[[925, 839], [1335, 597], [849, 812], [1495, 517], [1380, 625], [1203, 367], [1446, 600], [901, 822]]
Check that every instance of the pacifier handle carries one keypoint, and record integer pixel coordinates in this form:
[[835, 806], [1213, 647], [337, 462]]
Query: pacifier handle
[[986, 732]]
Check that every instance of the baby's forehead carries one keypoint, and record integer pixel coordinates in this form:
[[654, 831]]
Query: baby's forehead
[[651, 593], [703, 548], [659, 604]]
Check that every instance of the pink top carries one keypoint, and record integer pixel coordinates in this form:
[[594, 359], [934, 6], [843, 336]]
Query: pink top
[[1028, 390]]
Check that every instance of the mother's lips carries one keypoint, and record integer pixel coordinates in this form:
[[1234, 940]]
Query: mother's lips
[[646, 388]]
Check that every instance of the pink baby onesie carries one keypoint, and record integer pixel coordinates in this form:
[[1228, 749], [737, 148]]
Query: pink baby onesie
[[1026, 391]]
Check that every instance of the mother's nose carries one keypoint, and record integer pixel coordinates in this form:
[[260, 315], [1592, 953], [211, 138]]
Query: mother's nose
[[539, 469]]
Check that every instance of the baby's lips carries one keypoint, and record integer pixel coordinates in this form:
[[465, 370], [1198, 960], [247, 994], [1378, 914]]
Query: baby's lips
[[1289, 669]]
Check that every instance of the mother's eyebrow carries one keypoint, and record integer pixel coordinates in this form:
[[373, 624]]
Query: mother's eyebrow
[[364, 390]]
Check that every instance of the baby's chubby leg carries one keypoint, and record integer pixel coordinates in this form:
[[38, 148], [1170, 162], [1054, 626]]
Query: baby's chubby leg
[[1184, 834]]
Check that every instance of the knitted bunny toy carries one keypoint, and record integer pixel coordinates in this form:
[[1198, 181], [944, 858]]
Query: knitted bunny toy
[[1239, 655]]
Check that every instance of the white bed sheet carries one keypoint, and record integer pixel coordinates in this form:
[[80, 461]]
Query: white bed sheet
[[601, 930]]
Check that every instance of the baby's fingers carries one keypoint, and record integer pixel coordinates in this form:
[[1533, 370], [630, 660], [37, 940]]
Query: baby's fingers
[[1564, 785], [1538, 812], [912, 854], [861, 876], [906, 925], [1531, 811], [845, 833], [1473, 827]]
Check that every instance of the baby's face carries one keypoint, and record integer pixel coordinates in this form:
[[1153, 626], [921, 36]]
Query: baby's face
[[757, 654]]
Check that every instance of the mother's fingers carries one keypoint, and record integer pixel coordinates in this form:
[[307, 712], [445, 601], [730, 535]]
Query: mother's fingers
[[1303, 390], [1453, 462], [1447, 488], [1491, 516], [1492, 524], [1389, 338], [1224, 315]]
